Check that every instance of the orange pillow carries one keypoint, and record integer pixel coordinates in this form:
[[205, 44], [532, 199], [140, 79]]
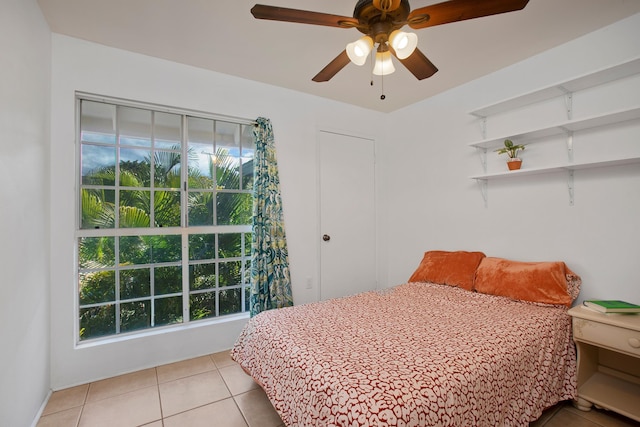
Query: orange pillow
[[544, 282], [448, 268]]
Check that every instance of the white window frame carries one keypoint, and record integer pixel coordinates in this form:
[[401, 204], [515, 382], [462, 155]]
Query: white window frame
[[184, 230]]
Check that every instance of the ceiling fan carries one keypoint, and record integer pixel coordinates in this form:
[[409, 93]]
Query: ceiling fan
[[381, 21]]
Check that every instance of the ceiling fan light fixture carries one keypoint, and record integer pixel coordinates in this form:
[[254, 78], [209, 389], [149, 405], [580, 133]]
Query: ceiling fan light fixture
[[384, 65], [403, 43], [379, 21], [358, 50]]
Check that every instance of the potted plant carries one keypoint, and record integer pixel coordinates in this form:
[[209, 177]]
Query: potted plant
[[511, 150]]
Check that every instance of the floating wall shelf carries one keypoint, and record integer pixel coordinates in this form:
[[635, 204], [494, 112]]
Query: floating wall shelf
[[606, 75], [557, 168], [565, 128]]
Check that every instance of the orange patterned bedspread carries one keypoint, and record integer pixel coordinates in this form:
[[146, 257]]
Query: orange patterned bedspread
[[419, 354]]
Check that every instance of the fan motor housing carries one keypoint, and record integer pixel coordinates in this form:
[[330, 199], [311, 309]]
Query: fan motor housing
[[368, 16]]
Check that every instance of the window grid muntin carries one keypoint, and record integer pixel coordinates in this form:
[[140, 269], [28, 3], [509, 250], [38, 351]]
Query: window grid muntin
[[244, 260], [184, 230]]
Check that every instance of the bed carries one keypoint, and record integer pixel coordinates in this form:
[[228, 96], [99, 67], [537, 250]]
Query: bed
[[430, 352]]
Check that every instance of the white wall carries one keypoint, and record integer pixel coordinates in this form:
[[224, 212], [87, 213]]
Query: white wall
[[88, 67], [24, 284], [434, 205]]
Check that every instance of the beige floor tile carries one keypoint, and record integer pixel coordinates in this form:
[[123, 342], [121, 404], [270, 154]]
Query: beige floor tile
[[223, 358], [603, 417], [64, 418], [222, 397], [224, 413], [547, 414], [130, 409], [185, 368], [190, 392], [66, 399], [237, 379], [564, 418], [257, 409], [121, 384]]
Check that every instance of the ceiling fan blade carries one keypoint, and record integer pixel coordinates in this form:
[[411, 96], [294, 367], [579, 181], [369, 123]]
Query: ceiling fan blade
[[332, 68], [386, 5], [260, 11], [460, 10], [418, 64]]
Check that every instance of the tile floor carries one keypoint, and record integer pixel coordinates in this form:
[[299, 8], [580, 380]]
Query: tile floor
[[206, 391], [213, 391]]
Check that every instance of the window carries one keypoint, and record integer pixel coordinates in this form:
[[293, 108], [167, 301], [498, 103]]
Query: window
[[164, 217]]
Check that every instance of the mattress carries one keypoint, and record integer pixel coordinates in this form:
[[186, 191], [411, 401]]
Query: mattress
[[418, 354]]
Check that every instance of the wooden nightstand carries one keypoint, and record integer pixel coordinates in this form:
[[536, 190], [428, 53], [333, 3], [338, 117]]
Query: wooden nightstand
[[608, 361]]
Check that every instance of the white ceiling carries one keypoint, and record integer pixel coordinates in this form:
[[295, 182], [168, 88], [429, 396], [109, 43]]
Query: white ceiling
[[223, 36]]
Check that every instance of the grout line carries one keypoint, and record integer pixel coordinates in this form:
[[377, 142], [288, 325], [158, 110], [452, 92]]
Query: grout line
[[80, 416], [196, 407], [159, 399], [200, 406], [246, 421]]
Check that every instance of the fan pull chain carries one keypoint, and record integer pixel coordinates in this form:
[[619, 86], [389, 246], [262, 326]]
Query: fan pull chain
[[373, 58]]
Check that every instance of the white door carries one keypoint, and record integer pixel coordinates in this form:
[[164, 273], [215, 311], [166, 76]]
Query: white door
[[347, 215]]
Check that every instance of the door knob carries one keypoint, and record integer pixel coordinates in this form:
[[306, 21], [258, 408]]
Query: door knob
[[326, 237]]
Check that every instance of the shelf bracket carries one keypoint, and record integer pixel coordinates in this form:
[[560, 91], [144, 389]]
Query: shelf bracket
[[483, 127], [570, 146], [568, 101], [570, 187], [483, 184], [482, 152]]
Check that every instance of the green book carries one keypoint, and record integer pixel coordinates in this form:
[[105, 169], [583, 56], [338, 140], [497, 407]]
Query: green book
[[612, 306]]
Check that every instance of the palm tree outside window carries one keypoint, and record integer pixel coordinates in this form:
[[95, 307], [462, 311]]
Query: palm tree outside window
[[156, 188]]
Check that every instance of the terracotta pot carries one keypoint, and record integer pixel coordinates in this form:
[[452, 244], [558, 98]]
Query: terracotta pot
[[514, 164]]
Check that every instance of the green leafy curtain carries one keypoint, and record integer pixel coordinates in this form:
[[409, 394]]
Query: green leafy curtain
[[270, 278]]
